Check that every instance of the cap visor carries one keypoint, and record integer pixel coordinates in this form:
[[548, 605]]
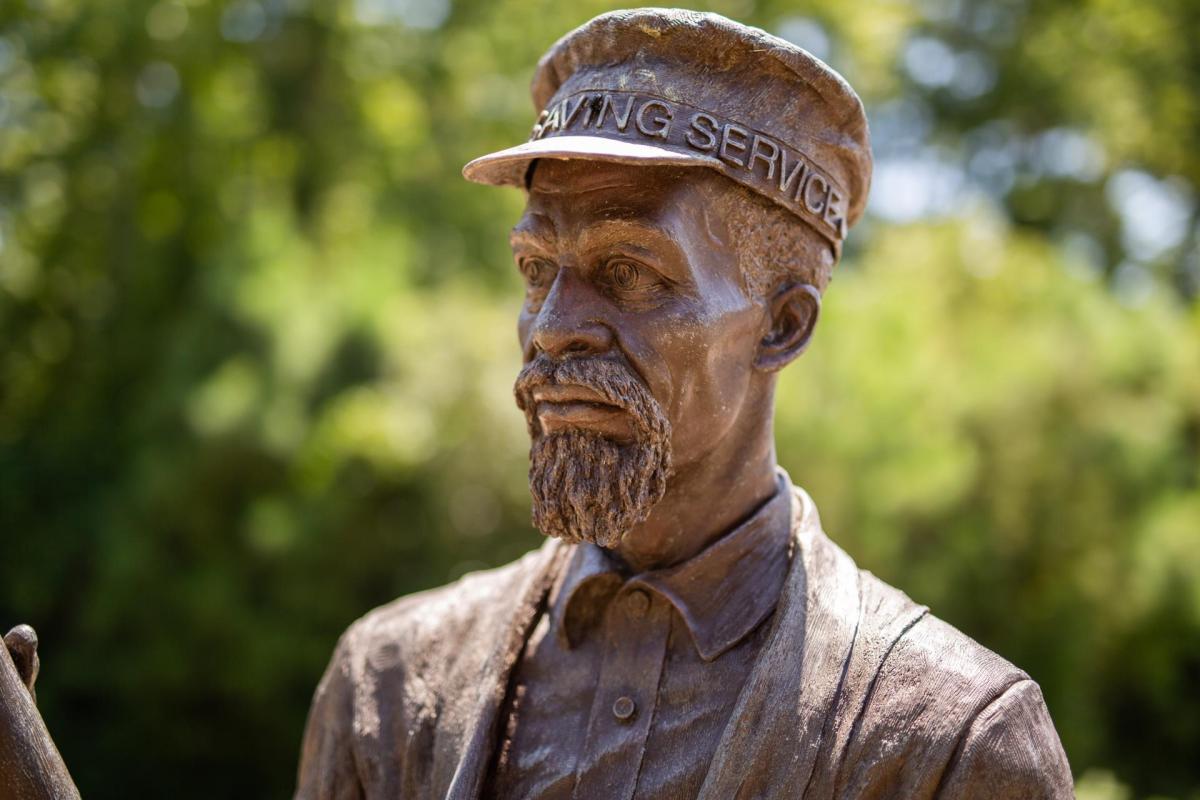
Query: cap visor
[[508, 167]]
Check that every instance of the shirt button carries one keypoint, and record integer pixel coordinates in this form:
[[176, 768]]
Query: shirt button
[[624, 708], [637, 603]]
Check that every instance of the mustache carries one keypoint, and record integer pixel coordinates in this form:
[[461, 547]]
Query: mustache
[[615, 383]]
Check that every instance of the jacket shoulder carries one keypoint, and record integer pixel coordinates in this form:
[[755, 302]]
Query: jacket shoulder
[[927, 654], [390, 709], [431, 620], [940, 704], [1010, 752]]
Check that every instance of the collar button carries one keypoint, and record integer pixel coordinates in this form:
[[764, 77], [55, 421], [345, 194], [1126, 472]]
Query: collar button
[[637, 603], [624, 708]]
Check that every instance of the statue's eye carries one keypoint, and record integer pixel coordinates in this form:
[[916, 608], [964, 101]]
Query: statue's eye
[[624, 275], [537, 271], [632, 282]]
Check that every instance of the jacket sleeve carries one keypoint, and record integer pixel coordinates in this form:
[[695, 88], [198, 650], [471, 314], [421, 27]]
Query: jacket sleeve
[[1010, 750], [327, 769]]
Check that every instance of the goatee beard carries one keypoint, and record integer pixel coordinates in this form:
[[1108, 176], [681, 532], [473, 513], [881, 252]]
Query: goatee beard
[[585, 486]]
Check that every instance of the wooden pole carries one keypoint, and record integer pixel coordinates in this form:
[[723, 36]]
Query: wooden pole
[[30, 765]]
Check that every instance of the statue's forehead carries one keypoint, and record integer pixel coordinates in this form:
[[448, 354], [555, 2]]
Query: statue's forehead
[[614, 196], [657, 197], [573, 176]]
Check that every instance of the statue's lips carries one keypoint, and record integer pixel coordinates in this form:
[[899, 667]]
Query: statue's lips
[[565, 406]]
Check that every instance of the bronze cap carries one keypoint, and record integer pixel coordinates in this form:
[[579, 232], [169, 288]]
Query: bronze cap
[[668, 86]]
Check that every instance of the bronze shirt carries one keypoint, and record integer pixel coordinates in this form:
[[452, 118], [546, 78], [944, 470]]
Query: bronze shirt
[[627, 682]]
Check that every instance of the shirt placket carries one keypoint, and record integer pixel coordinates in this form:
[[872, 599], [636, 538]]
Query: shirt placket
[[637, 626]]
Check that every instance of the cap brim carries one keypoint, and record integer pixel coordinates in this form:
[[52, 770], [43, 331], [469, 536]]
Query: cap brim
[[508, 167]]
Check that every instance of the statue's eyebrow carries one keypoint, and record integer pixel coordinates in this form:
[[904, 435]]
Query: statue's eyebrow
[[533, 229], [632, 229]]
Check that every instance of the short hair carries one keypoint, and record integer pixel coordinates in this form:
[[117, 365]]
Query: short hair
[[773, 245]]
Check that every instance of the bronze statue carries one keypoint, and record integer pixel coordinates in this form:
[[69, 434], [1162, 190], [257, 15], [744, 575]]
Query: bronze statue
[[688, 630]]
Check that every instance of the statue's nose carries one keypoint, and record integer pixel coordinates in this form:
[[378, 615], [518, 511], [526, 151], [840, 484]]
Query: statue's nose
[[567, 324]]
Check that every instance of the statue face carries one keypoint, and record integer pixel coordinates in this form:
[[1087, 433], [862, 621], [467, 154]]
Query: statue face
[[638, 336]]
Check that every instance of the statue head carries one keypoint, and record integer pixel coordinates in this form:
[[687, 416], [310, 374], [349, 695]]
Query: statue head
[[689, 184]]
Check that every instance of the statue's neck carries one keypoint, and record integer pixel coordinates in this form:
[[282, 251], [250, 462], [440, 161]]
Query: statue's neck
[[705, 500]]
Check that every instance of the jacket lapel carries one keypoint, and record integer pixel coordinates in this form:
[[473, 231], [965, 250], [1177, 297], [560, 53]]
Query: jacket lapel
[[771, 745], [475, 757]]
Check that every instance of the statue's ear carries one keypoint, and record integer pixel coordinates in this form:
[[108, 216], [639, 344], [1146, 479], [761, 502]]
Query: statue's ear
[[792, 310]]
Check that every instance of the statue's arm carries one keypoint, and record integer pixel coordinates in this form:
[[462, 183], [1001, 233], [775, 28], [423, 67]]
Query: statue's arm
[[1010, 751], [30, 766], [327, 769]]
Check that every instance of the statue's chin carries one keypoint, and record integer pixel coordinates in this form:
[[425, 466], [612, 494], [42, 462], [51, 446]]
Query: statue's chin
[[589, 488]]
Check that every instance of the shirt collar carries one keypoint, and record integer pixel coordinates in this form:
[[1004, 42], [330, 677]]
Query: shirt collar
[[722, 593]]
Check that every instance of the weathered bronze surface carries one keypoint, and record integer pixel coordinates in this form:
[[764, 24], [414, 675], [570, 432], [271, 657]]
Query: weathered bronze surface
[[687, 630]]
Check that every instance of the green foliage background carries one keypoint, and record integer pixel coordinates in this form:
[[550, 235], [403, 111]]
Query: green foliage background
[[256, 351]]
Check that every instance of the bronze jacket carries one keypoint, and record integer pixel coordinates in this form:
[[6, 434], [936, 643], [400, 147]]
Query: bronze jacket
[[858, 693]]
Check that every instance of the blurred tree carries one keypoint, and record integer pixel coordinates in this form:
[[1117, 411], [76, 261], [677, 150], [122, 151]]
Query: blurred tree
[[232, 236]]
